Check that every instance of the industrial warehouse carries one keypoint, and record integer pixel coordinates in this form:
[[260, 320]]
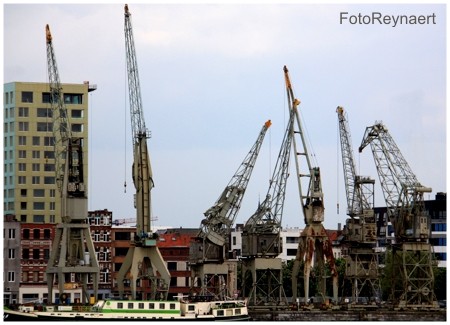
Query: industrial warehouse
[[65, 262]]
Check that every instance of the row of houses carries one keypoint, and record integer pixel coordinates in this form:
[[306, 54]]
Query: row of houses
[[27, 249]]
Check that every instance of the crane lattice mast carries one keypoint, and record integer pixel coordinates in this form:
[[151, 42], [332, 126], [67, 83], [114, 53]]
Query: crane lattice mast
[[314, 241], [261, 241], [412, 274], [72, 240], [143, 260], [208, 250], [360, 232]]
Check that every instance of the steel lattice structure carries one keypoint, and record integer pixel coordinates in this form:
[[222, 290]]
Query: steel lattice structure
[[72, 237], [360, 235], [208, 251], [261, 242], [314, 244], [412, 274], [143, 261]]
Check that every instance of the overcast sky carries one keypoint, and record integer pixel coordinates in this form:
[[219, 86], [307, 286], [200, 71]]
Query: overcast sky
[[212, 74]]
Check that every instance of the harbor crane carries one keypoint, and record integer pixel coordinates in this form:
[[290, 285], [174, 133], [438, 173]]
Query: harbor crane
[[314, 242], [72, 248], [143, 260], [360, 233], [412, 275], [208, 250], [261, 241]]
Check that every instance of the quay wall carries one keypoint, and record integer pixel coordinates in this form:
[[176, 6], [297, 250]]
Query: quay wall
[[355, 315]]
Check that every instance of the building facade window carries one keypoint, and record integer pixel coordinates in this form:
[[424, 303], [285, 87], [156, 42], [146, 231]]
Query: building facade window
[[27, 96], [73, 98], [11, 276], [24, 126], [44, 112], [23, 111]]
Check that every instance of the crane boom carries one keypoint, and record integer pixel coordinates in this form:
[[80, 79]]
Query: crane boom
[[314, 237], [221, 216], [72, 239], [412, 277], [402, 191], [360, 234], [212, 242], [261, 241], [267, 217], [143, 259]]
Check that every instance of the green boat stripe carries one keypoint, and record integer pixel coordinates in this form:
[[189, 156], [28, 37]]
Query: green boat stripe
[[141, 311]]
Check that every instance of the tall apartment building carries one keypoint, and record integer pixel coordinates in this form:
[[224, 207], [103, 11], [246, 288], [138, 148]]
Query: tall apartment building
[[29, 185]]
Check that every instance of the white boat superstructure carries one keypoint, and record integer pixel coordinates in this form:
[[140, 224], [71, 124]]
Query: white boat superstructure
[[138, 310]]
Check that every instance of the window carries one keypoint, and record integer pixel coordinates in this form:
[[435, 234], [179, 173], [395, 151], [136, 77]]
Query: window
[[44, 126], [77, 127], [172, 266], [49, 180], [26, 254], [23, 192], [162, 306], [141, 305], [22, 167], [11, 253], [36, 154], [151, 305], [23, 111], [36, 167], [27, 97], [23, 205], [49, 154], [35, 254], [52, 193], [11, 276], [120, 305], [22, 180], [38, 218], [292, 240], [49, 167], [73, 98], [44, 112], [36, 141], [22, 140], [36, 233], [23, 126], [35, 180], [77, 113], [130, 305], [49, 141], [22, 154], [46, 98], [172, 306], [38, 205], [46, 233], [291, 252]]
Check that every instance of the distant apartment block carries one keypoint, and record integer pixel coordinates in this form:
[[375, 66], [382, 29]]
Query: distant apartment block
[[29, 185]]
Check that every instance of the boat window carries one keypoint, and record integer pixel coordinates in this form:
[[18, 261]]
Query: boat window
[[162, 306], [141, 305], [191, 307], [130, 305], [172, 306], [220, 313], [237, 311], [120, 305], [151, 305]]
